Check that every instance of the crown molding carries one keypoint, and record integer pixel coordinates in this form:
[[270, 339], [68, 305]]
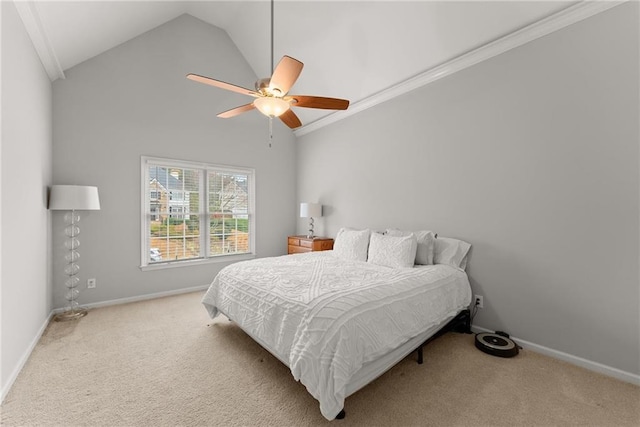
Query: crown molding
[[552, 23], [32, 23]]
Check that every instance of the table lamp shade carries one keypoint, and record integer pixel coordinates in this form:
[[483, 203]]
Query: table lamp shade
[[74, 197], [310, 210]]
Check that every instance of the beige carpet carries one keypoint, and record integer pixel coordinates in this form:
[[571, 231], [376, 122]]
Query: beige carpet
[[165, 363]]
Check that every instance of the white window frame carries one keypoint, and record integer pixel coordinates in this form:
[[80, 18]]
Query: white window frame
[[203, 214]]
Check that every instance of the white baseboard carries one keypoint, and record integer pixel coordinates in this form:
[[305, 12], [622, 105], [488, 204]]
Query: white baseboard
[[575, 360], [139, 298], [24, 358]]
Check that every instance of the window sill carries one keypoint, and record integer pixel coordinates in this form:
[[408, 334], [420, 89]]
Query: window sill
[[188, 263]]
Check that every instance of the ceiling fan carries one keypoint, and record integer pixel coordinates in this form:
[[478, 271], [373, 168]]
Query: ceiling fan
[[271, 94]]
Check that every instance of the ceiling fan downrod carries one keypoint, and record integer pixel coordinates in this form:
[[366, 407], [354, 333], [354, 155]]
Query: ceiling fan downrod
[[272, 65]]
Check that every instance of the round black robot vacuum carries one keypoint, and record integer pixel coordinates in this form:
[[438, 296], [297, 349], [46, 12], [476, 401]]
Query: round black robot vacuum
[[496, 344]]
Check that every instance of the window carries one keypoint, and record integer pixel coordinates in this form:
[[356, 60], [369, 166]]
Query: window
[[195, 212]]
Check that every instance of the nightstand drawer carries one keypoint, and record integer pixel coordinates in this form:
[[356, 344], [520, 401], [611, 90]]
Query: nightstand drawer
[[301, 244], [326, 245], [294, 241], [298, 249]]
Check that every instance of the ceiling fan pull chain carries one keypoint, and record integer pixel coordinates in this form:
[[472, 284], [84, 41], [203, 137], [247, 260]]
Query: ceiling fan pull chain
[[271, 117]]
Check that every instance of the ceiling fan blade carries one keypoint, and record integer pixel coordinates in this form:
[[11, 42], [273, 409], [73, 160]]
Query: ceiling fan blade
[[290, 119], [285, 74], [320, 102], [221, 84], [235, 111]]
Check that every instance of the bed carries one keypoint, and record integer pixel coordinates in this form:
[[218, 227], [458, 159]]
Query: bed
[[338, 323]]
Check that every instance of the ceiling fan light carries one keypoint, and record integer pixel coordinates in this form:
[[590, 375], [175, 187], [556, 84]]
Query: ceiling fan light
[[270, 106]]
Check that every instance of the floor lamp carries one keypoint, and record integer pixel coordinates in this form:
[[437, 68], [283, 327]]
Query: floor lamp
[[72, 198]]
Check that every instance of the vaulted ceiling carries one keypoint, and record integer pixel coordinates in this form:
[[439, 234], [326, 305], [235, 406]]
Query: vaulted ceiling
[[364, 51]]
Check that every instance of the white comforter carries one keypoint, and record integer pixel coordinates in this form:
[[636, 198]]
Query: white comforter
[[327, 317]]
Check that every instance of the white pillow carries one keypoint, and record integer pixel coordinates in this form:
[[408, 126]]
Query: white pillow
[[426, 244], [351, 244], [392, 251], [451, 252]]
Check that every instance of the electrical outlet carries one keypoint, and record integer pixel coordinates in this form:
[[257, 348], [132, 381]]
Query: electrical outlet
[[479, 299], [91, 283]]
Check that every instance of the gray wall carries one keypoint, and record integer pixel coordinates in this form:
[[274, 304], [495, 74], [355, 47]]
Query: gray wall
[[25, 276], [134, 100], [532, 157]]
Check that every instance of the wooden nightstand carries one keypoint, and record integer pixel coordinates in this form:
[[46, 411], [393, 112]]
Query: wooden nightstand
[[298, 244]]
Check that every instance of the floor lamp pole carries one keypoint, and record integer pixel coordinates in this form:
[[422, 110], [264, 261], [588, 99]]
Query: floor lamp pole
[[72, 311]]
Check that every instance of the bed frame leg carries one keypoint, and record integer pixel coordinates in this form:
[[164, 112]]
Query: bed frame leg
[[420, 360], [463, 322], [466, 322], [341, 415]]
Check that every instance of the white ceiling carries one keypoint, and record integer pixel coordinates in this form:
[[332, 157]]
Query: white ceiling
[[351, 49]]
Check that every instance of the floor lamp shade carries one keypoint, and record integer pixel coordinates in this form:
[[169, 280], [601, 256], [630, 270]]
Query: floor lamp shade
[[310, 210], [72, 198]]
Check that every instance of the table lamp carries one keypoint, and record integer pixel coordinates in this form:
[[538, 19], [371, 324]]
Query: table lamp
[[310, 210]]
